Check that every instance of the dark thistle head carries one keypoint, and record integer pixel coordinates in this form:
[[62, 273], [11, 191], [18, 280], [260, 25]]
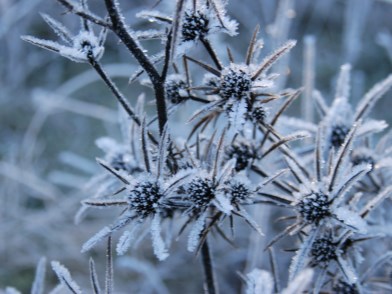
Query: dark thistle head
[[338, 135], [174, 90], [238, 192], [194, 26], [323, 251], [235, 82], [144, 198], [258, 114], [362, 156], [243, 153], [200, 192], [314, 207]]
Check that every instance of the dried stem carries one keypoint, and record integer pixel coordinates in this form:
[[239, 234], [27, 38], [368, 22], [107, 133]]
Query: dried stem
[[209, 274], [120, 29]]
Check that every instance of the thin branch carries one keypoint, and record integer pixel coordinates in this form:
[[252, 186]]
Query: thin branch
[[120, 29]]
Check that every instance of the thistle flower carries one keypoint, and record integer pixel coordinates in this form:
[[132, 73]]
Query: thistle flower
[[196, 21], [80, 48], [338, 119], [239, 89], [321, 201]]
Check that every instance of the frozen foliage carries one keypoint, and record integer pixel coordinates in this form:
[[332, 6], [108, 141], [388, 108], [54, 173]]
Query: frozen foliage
[[217, 182]]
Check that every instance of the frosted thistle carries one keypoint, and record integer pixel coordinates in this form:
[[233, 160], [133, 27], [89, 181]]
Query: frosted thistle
[[240, 89], [144, 198], [338, 134], [239, 192], [175, 88], [80, 48], [243, 153], [314, 207], [258, 114], [235, 82], [323, 251], [194, 25]]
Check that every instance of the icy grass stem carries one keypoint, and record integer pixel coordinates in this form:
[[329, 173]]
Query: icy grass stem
[[209, 274], [119, 28]]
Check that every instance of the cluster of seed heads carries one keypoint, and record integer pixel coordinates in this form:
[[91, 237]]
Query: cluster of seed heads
[[201, 192], [323, 251], [195, 26], [235, 83], [339, 133], [173, 88], [314, 208], [144, 198], [243, 153], [238, 192]]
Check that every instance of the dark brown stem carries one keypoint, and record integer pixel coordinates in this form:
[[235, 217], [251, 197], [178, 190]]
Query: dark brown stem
[[120, 29], [209, 274], [212, 53]]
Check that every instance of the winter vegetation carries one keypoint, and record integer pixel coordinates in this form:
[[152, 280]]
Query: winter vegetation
[[196, 146]]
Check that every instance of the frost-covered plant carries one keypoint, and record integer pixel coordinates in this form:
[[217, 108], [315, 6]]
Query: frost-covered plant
[[169, 176]]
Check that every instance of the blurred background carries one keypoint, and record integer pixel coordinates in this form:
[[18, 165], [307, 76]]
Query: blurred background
[[53, 110]]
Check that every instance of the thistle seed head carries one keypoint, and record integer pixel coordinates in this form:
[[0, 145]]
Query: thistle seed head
[[235, 82], [195, 26], [144, 198], [238, 192], [258, 114], [323, 251], [339, 133], [243, 153], [173, 88], [314, 208], [200, 192]]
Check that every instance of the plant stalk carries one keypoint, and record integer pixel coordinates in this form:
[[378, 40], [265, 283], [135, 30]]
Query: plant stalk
[[209, 274]]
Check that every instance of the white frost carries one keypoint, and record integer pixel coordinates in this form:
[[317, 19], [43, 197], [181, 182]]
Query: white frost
[[259, 282], [65, 277], [157, 242]]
